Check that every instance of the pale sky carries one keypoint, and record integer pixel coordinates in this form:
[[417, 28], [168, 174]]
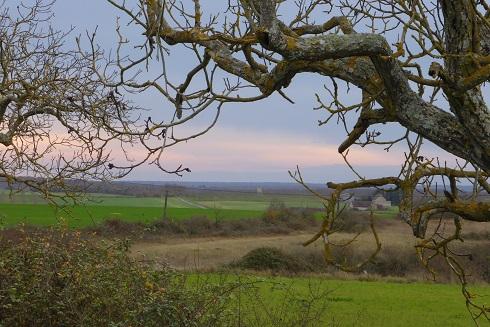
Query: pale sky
[[252, 142]]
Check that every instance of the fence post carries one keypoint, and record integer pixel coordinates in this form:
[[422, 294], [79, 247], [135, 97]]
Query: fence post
[[165, 206]]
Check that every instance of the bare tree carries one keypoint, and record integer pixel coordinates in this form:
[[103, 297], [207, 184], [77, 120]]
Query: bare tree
[[430, 82], [58, 120], [265, 53]]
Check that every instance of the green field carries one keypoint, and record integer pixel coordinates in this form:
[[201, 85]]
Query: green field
[[100, 200], [84, 216], [223, 201], [30, 208], [363, 303], [259, 202]]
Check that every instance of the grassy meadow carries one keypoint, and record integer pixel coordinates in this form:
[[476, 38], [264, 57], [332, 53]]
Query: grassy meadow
[[84, 216], [31, 209], [358, 303]]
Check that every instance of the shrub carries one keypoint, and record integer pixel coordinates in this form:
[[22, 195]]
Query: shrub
[[118, 226], [61, 280], [277, 210], [392, 261], [274, 221], [278, 213], [395, 261], [351, 221], [199, 225], [271, 259], [479, 261]]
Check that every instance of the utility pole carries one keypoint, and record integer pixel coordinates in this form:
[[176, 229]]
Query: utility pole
[[165, 206]]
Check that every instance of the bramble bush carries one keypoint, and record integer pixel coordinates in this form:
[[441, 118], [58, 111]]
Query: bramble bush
[[59, 279], [277, 219], [64, 278]]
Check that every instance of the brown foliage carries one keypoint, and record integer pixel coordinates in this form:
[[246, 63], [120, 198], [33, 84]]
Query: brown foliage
[[278, 219]]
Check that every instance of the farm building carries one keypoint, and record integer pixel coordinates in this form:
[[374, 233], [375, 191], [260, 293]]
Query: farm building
[[377, 202], [380, 203]]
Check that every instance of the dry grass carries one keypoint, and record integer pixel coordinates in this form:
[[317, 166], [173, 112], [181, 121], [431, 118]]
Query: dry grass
[[397, 260]]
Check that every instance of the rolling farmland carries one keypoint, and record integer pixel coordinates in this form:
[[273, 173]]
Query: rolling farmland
[[84, 216], [29, 208], [348, 302]]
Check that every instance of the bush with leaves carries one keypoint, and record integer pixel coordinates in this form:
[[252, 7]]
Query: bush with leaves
[[59, 279], [271, 259]]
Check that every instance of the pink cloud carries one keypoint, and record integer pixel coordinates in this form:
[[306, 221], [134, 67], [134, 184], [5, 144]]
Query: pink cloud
[[231, 150], [236, 151]]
